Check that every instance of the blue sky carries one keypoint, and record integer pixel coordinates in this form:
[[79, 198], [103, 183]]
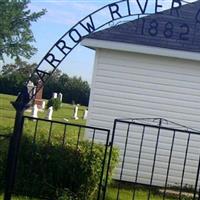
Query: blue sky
[[60, 17]]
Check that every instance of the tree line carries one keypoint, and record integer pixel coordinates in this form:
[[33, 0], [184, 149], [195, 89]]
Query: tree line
[[74, 89], [16, 41]]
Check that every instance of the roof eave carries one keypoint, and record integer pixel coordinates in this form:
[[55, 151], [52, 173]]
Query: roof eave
[[151, 50]]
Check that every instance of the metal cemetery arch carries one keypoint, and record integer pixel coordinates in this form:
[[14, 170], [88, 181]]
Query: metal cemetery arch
[[60, 50], [74, 36]]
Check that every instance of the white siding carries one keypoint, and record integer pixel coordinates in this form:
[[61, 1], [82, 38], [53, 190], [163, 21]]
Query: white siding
[[131, 85]]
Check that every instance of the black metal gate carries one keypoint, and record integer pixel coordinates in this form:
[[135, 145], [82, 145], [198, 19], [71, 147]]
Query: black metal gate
[[157, 156], [40, 139]]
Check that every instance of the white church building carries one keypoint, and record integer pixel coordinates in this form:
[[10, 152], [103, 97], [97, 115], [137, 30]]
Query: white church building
[[148, 68]]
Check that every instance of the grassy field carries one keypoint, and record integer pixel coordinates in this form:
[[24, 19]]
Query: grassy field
[[18, 198], [127, 194], [7, 115]]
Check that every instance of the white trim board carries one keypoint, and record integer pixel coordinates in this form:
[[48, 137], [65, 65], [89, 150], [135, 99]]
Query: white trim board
[[94, 43]]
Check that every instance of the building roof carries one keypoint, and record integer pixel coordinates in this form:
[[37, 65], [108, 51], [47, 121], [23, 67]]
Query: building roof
[[165, 30]]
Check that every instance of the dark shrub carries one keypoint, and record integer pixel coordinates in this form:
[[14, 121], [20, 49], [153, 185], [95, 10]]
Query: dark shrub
[[55, 103], [3, 161], [54, 172]]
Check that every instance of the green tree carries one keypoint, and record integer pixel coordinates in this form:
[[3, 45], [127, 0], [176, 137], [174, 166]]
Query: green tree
[[13, 76], [78, 90], [19, 67], [16, 37], [73, 89]]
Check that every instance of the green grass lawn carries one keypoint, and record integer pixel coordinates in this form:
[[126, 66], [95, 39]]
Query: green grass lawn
[[7, 115], [126, 193], [18, 198]]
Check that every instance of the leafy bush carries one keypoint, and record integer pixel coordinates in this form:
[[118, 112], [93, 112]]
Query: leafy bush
[[54, 172], [4, 143], [55, 103]]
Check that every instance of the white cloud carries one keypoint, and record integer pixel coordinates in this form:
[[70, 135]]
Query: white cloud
[[89, 7], [56, 14], [69, 12], [65, 12]]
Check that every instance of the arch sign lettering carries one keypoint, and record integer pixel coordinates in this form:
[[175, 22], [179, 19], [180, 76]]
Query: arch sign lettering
[[91, 23]]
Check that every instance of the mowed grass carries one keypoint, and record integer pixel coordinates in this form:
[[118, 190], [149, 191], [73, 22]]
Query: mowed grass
[[19, 198], [126, 193], [7, 113], [7, 117]]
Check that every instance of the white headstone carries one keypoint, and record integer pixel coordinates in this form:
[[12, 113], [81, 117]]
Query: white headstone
[[75, 114], [49, 113], [43, 104], [35, 111], [60, 97], [55, 95], [31, 88], [85, 114], [30, 84]]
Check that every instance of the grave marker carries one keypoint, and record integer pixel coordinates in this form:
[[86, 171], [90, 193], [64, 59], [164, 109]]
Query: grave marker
[[55, 95], [75, 114], [85, 114], [49, 113], [38, 97], [35, 111]]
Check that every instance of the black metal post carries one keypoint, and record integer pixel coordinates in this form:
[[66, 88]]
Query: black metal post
[[103, 166], [169, 164], [197, 180], [138, 163], [13, 154], [123, 161], [184, 164], [109, 158], [154, 159]]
